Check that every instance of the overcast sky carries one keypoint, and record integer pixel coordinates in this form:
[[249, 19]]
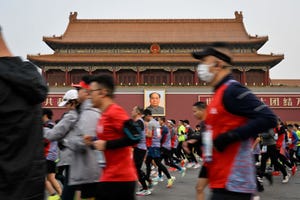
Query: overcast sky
[[25, 22]]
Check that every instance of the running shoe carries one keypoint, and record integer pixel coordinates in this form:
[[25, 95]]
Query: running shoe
[[143, 192], [182, 171], [190, 165], [196, 166], [172, 169], [54, 197], [269, 177], [171, 181], [153, 173], [286, 179], [259, 184], [151, 184], [276, 173], [158, 179]]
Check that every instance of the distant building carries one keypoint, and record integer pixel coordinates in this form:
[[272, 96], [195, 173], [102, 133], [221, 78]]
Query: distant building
[[155, 54]]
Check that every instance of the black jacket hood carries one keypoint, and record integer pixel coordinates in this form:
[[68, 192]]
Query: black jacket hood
[[23, 77]]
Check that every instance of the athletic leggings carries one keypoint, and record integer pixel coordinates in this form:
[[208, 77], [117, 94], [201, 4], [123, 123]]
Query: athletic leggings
[[138, 156], [179, 152], [167, 156], [273, 155], [159, 165]]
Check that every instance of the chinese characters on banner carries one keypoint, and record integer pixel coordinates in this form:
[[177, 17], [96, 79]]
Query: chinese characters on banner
[[52, 101], [273, 101]]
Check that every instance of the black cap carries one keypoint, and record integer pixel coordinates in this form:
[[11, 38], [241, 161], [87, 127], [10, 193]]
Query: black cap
[[214, 50]]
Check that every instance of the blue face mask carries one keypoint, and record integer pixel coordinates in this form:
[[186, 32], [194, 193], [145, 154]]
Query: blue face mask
[[203, 72]]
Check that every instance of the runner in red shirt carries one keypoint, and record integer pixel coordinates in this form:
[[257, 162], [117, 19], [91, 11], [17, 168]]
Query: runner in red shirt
[[118, 179]]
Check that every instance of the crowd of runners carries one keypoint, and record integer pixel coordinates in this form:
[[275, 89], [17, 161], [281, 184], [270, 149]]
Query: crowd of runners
[[97, 151]]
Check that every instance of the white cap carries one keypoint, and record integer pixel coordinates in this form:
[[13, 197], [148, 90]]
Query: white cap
[[171, 122], [69, 95]]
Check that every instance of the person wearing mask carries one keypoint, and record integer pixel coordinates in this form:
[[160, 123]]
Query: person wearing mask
[[85, 167], [233, 118], [61, 132]]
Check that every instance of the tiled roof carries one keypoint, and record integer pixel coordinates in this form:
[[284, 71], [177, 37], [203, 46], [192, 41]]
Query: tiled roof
[[96, 31], [146, 58]]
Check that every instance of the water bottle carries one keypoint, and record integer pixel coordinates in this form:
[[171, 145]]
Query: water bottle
[[276, 136], [99, 155], [101, 158], [207, 145]]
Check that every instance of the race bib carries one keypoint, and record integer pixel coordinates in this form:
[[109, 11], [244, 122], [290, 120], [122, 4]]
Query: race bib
[[264, 149]]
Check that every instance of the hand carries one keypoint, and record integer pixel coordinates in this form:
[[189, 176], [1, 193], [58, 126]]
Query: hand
[[88, 140], [224, 139], [100, 145]]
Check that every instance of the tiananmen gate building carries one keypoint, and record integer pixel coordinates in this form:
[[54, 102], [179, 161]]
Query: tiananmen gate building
[[145, 55]]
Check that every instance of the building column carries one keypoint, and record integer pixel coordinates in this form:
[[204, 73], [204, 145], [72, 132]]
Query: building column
[[115, 76], [44, 74], [244, 76], [138, 78], [67, 79], [171, 77], [196, 78], [267, 77]]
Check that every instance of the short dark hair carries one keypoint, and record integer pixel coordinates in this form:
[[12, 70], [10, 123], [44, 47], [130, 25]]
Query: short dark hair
[[48, 112], [139, 110], [162, 119], [200, 105], [105, 81], [87, 79], [147, 112], [290, 126], [186, 121], [154, 93]]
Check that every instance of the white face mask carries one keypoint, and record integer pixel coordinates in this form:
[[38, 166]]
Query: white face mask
[[203, 72]]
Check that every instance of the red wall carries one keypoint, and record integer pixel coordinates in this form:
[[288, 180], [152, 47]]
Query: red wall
[[179, 106]]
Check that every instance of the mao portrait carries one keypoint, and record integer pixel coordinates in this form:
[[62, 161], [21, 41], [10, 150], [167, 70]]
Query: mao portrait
[[155, 101]]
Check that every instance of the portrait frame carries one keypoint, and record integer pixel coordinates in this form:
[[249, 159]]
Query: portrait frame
[[162, 103]]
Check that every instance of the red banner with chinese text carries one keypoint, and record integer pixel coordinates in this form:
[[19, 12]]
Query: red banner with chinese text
[[272, 100]]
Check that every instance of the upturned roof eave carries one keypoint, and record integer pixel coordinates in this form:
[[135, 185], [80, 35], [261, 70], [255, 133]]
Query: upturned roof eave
[[50, 40], [270, 60]]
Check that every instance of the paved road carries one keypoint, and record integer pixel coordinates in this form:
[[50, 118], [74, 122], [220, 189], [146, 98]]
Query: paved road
[[183, 188]]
